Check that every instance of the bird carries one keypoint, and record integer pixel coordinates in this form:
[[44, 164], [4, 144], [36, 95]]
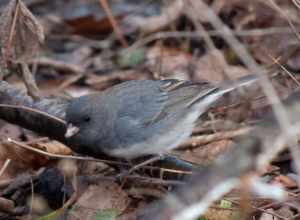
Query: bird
[[141, 117]]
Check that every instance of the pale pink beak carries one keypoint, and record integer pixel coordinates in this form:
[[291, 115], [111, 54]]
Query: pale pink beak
[[71, 131]]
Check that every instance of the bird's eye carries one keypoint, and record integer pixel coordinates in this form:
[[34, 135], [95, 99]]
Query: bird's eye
[[87, 118]]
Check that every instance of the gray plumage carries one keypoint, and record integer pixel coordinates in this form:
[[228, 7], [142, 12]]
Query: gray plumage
[[137, 118]]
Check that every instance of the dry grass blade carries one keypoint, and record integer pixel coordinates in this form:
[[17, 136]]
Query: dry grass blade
[[286, 16], [296, 3], [113, 22], [5, 165], [29, 81], [285, 70], [34, 111], [58, 156], [196, 141]]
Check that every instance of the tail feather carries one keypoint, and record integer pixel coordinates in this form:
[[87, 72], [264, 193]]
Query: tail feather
[[214, 93]]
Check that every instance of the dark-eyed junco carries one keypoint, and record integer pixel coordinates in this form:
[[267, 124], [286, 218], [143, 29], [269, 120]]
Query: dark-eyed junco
[[138, 118]]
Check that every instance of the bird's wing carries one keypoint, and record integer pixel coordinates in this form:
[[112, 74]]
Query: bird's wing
[[148, 103], [140, 100], [161, 113], [181, 96]]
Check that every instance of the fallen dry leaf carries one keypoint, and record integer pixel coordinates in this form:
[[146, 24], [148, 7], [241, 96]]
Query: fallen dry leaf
[[106, 195], [212, 67], [171, 63], [21, 159], [54, 147], [20, 33], [207, 153], [221, 214]]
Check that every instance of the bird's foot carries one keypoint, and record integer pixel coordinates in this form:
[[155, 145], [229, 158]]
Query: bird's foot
[[146, 162], [122, 176]]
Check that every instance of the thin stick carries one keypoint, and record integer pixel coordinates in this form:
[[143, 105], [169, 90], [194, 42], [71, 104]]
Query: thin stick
[[30, 83], [13, 26], [285, 70], [58, 156], [113, 22], [196, 141], [284, 14], [196, 34], [247, 59], [5, 165], [296, 3]]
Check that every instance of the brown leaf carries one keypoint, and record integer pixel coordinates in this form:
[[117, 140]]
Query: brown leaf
[[29, 34], [22, 159], [54, 147], [172, 63], [20, 33], [221, 214], [107, 195], [212, 67], [207, 153]]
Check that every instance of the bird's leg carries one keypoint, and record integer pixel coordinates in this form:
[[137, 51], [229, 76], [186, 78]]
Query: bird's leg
[[136, 167], [146, 162]]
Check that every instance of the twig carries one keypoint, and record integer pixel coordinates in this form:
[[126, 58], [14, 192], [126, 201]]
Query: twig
[[193, 15], [13, 29], [195, 210], [205, 139], [196, 34], [296, 3], [69, 81], [254, 184], [113, 22], [135, 178], [293, 143], [246, 58], [57, 64], [29, 81], [28, 78], [284, 14], [58, 156], [254, 151], [4, 167], [285, 70]]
